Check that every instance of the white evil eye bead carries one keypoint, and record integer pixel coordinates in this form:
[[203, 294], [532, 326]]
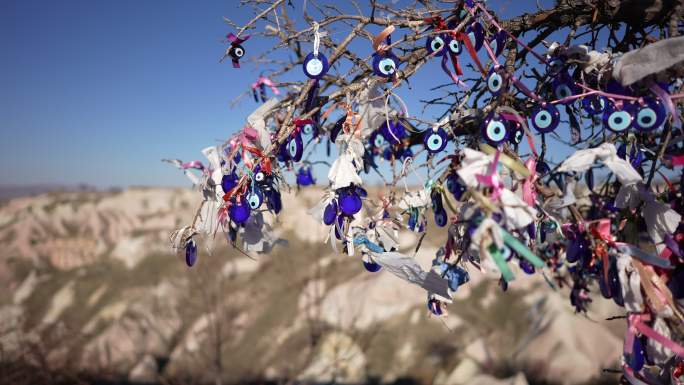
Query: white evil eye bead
[[307, 129], [435, 45], [650, 116], [385, 65], [518, 135], [295, 148], [315, 67], [594, 104], [435, 141], [563, 88], [494, 130], [545, 118], [255, 198], [259, 177], [236, 51], [495, 82], [617, 120], [455, 46]]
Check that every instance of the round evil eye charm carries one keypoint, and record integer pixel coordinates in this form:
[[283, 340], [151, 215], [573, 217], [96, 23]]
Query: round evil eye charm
[[349, 201], [236, 51], [545, 118], [650, 115], [475, 33], [255, 198], [594, 104], [435, 45], [495, 81], [229, 181], [618, 119], [295, 148], [517, 134], [563, 87], [315, 66], [498, 42], [239, 212], [494, 130], [435, 140], [309, 128], [385, 65]]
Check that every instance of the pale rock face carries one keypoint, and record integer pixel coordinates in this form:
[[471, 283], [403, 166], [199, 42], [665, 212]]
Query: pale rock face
[[60, 302], [339, 359], [144, 371]]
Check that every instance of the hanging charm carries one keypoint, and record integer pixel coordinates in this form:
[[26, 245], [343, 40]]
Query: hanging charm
[[236, 51]]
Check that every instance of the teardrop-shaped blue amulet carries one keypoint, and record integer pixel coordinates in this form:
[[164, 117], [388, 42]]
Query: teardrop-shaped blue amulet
[[315, 66], [440, 216], [435, 307], [274, 201], [435, 140], [349, 201], [455, 187], [190, 253], [305, 177], [330, 213], [229, 181], [255, 198], [239, 212], [295, 147], [371, 266]]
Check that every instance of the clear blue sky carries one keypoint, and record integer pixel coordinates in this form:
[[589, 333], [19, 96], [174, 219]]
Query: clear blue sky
[[98, 92]]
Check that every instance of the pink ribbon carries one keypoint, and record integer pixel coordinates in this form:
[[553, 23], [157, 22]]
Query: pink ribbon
[[492, 178], [637, 324], [267, 82], [196, 164], [529, 193], [667, 99], [677, 160]]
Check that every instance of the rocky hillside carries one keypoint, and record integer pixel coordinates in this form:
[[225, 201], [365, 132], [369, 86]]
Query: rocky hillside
[[92, 293]]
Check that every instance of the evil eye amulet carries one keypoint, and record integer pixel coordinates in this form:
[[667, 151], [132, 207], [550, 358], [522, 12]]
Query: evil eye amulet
[[190, 253], [545, 118], [239, 212], [498, 42], [495, 82], [435, 45], [475, 33], [371, 267], [594, 104], [315, 66], [440, 216], [236, 51], [349, 201], [454, 46], [330, 213], [563, 87], [255, 198], [618, 119], [494, 130], [308, 128], [385, 64], [435, 141], [517, 135], [295, 148], [394, 132], [650, 115]]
